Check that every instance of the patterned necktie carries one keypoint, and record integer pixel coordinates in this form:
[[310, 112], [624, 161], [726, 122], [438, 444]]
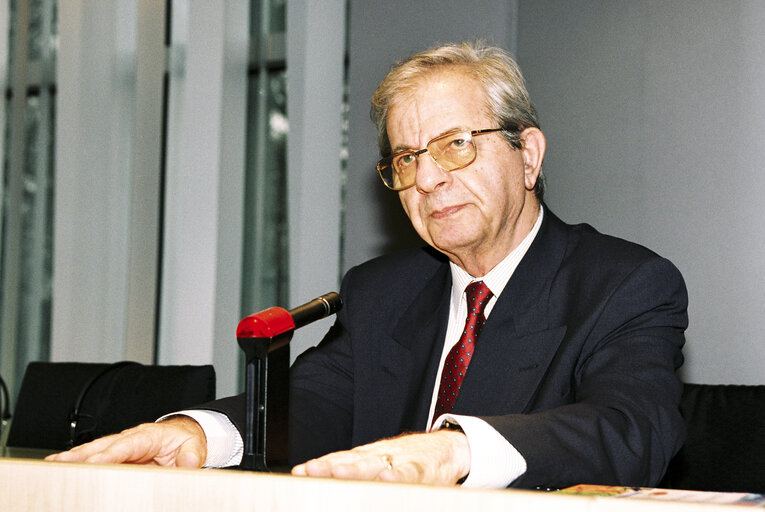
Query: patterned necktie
[[456, 364]]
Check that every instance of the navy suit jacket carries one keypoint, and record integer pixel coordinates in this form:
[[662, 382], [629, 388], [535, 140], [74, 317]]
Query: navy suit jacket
[[575, 365]]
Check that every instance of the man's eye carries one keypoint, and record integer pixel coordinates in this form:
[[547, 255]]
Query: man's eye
[[458, 143], [405, 160]]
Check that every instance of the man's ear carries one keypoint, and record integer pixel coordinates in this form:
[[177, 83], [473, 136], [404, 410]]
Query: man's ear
[[533, 148]]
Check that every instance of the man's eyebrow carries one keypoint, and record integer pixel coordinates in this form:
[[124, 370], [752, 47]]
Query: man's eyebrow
[[404, 147], [399, 149]]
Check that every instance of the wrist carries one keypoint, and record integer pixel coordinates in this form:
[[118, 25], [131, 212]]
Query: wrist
[[460, 449]]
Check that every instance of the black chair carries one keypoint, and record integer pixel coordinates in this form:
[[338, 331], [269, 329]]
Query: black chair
[[64, 404], [725, 448]]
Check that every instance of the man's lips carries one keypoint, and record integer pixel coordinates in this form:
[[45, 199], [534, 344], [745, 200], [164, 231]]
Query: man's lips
[[446, 211]]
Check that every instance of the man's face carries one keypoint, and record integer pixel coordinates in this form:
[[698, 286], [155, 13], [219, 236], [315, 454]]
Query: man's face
[[475, 215]]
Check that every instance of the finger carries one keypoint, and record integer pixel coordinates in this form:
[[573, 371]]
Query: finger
[[191, 455], [339, 465], [82, 452], [353, 464], [391, 475], [193, 447], [299, 470], [131, 446], [321, 467], [367, 467], [411, 471]]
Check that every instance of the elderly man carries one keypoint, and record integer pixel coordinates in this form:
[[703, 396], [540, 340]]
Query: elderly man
[[515, 350]]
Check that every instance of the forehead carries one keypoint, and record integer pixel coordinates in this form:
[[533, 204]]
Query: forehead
[[436, 103]]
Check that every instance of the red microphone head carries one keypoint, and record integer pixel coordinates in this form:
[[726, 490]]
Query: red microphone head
[[268, 323]]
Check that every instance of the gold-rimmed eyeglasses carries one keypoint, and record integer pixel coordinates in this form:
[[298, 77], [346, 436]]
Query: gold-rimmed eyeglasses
[[451, 151]]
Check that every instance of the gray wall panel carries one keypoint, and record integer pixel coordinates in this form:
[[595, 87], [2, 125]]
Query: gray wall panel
[[654, 113]]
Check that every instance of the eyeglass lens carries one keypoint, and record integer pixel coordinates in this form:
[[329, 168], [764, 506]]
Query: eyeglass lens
[[450, 151]]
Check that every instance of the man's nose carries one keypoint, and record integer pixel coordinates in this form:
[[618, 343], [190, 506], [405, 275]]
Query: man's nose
[[429, 174]]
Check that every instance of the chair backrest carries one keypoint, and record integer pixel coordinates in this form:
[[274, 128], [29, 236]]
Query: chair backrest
[[725, 448], [101, 398]]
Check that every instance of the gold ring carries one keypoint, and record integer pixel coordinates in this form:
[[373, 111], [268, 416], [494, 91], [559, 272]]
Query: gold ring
[[388, 461]]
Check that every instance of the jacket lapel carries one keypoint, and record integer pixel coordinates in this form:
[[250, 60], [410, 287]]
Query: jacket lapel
[[517, 343], [418, 341]]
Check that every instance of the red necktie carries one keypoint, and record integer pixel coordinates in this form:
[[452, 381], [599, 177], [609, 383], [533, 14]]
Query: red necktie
[[456, 364]]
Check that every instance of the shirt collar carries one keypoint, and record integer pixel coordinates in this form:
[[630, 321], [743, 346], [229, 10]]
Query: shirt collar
[[498, 276]]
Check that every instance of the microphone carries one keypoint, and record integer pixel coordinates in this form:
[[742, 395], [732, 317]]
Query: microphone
[[320, 307], [274, 321]]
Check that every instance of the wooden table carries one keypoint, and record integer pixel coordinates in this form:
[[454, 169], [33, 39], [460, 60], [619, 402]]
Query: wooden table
[[32, 485]]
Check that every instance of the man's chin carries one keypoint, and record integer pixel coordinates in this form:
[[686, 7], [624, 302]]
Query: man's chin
[[453, 244]]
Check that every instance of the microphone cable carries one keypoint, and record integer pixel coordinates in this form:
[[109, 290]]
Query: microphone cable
[[75, 415], [5, 409]]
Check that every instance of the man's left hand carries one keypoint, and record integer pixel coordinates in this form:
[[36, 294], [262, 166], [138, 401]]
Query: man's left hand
[[437, 458]]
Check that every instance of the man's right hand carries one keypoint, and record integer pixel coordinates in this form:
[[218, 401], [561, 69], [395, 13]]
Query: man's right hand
[[178, 441]]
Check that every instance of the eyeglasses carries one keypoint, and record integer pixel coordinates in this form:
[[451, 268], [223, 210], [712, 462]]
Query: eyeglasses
[[451, 151]]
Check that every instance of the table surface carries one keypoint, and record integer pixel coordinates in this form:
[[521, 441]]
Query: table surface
[[32, 485]]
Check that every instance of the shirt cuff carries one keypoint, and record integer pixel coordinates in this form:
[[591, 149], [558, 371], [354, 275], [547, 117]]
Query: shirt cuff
[[494, 462], [224, 443]]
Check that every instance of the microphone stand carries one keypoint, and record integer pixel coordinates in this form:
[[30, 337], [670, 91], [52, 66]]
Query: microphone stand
[[256, 351], [258, 335]]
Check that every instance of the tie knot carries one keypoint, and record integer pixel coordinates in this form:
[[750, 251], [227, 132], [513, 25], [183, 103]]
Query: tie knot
[[477, 293]]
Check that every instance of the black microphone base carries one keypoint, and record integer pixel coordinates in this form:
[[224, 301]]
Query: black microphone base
[[254, 462]]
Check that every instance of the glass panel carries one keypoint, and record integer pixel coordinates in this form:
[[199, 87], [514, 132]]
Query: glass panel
[[37, 33], [265, 273], [266, 247], [36, 233], [278, 16], [42, 30], [28, 185]]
